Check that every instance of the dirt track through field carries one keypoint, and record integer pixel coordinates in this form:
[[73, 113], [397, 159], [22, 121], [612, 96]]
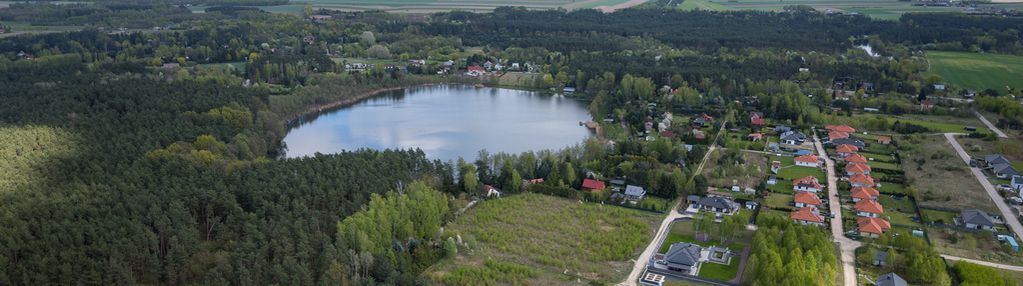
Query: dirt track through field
[[630, 3]]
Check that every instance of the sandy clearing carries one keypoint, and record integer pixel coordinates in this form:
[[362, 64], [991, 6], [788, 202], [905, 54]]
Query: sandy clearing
[[630, 3]]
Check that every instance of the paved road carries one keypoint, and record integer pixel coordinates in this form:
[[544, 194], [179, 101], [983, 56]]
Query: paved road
[[640, 265], [989, 125], [846, 246], [1007, 214], [985, 263]]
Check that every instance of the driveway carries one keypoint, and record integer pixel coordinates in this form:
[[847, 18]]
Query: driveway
[[846, 246], [1007, 213]]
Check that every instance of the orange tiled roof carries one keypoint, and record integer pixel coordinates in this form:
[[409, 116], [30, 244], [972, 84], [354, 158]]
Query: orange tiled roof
[[808, 158], [808, 180], [807, 198], [869, 206], [806, 214], [856, 158], [873, 225], [834, 135], [865, 193], [840, 128], [847, 148], [862, 179], [859, 168]]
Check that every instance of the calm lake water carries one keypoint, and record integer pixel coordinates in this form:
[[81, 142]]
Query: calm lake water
[[446, 122]]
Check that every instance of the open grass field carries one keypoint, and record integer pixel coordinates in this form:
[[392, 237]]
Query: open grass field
[[778, 201], [745, 170], [532, 239], [938, 216], [978, 71], [705, 5], [940, 176], [899, 210], [18, 28]]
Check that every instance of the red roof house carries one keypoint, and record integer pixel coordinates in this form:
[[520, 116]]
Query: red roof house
[[593, 185], [872, 226], [864, 193], [855, 158], [807, 184], [475, 68], [806, 199], [862, 181], [756, 136], [868, 208], [835, 135], [807, 215], [840, 128], [757, 119], [808, 160], [853, 169], [846, 149]]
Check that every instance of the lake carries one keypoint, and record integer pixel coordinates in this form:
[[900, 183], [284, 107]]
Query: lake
[[446, 122]]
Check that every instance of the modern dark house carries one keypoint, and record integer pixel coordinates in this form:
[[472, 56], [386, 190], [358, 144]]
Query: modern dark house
[[976, 219], [890, 279], [684, 258]]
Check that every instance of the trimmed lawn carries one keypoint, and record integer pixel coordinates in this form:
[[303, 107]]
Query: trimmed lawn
[[778, 201], [878, 157], [932, 215], [782, 187], [720, 271], [682, 231], [796, 172], [893, 188], [898, 211], [883, 165]]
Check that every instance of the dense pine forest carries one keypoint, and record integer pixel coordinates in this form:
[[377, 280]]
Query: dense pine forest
[[137, 157]]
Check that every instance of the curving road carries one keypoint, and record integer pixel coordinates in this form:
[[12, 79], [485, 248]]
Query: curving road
[[846, 246], [640, 265]]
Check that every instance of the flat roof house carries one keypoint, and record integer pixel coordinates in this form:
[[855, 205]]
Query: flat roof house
[[976, 219]]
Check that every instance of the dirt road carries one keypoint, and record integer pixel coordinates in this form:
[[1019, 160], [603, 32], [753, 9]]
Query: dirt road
[[846, 246]]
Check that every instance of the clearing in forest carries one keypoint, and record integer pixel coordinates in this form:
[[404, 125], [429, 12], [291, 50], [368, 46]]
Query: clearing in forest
[[532, 239]]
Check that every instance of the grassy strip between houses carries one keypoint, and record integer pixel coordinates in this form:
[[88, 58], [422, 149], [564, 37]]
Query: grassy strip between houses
[[718, 271], [532, 239]]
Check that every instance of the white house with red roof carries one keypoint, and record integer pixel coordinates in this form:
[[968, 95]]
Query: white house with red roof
[[855, 158], [807, 216], [868, 208], [808, 160], [591, 185], [807, 184], [862, 181], [864, 194], [872, 226], [846, 150], [806, 199], [853, 169], [840, 128]]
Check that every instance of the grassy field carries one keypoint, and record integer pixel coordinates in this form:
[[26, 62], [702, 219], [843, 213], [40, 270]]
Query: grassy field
[[978, 71], [880, 9], [899, 211], [543, 236], [689, 5], [744, 169], [980, 245], [720, 271], [940, 176], [18, 28], [778, 201], [938, 216]]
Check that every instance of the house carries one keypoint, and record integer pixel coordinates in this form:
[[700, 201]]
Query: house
[[851, 141], [872, 227], [793, 138], [752, 205], [772, 180], [890, 279], [806, 199], [809, 160], [488, 65], [855, 158], [990, 160], [591, 185], [807, 184], [757, 119], [491, 191], [864, 194], [1016, 183], [862, 181], [868, 208], [780, 129], [699, 135], [807, 216], [634, 193], [719, 205], [703, 120], [835, 135], [976, 219], [840, 128], [884, 140], [775, 166], [683, 257], [880, 258], [853, 169], [756, 137], [475, 70], [1004, 171], [939, 87], [846, 149]]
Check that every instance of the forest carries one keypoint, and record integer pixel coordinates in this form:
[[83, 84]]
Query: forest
[[136, 157]]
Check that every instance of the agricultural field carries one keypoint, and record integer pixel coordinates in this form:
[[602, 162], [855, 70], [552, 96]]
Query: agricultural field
[[939, 176], [879, 9], [534, 239], [978, 71], [430, 6]]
